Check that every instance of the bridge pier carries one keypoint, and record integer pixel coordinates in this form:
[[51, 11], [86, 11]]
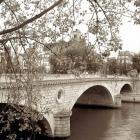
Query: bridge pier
[[62, 124], [117, 101]]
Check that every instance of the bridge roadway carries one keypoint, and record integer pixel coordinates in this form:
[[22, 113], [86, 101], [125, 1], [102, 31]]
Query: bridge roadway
[[54, 96]]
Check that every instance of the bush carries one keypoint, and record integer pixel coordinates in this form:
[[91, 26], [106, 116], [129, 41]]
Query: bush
[[15, 125]]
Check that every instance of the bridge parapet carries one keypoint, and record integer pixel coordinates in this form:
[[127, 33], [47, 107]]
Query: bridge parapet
[[6, 77]]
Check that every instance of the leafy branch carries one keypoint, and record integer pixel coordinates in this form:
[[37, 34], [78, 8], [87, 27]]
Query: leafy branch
[[31, 19]]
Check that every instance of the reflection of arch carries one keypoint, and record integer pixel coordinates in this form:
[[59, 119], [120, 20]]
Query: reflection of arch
[[96, 95], [126, 88], [42, 122]]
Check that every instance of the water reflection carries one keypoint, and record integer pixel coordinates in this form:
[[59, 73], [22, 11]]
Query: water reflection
[[106, 124]]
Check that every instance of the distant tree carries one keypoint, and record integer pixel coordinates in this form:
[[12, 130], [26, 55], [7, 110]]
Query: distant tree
[[124, 68], [112, 66], [74, 56], [93, 61]]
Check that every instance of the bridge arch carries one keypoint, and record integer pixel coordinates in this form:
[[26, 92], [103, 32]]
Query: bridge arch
[[97, 95], [126, 89]]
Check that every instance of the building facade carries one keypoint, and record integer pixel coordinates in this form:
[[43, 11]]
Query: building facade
[[125, 57]]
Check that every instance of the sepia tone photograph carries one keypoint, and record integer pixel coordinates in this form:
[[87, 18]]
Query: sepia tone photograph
[[69, 69]]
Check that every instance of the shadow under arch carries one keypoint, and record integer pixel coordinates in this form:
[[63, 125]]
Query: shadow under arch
[[97, 95], [42, 123], [126, 89], [126, 92]]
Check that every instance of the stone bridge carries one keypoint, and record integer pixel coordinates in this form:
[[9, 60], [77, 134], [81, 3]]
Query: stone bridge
[[56, 95]]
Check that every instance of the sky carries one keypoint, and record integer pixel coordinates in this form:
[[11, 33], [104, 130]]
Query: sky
[[130, 35]]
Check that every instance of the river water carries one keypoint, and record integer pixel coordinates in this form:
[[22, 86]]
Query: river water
[[106, 124]]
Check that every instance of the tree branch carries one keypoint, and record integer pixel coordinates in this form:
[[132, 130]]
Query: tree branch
[[31, 19], [3, 41], [1, 1]]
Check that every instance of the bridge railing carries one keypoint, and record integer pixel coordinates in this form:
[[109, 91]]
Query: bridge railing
[[82, 76], [44, 77]]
